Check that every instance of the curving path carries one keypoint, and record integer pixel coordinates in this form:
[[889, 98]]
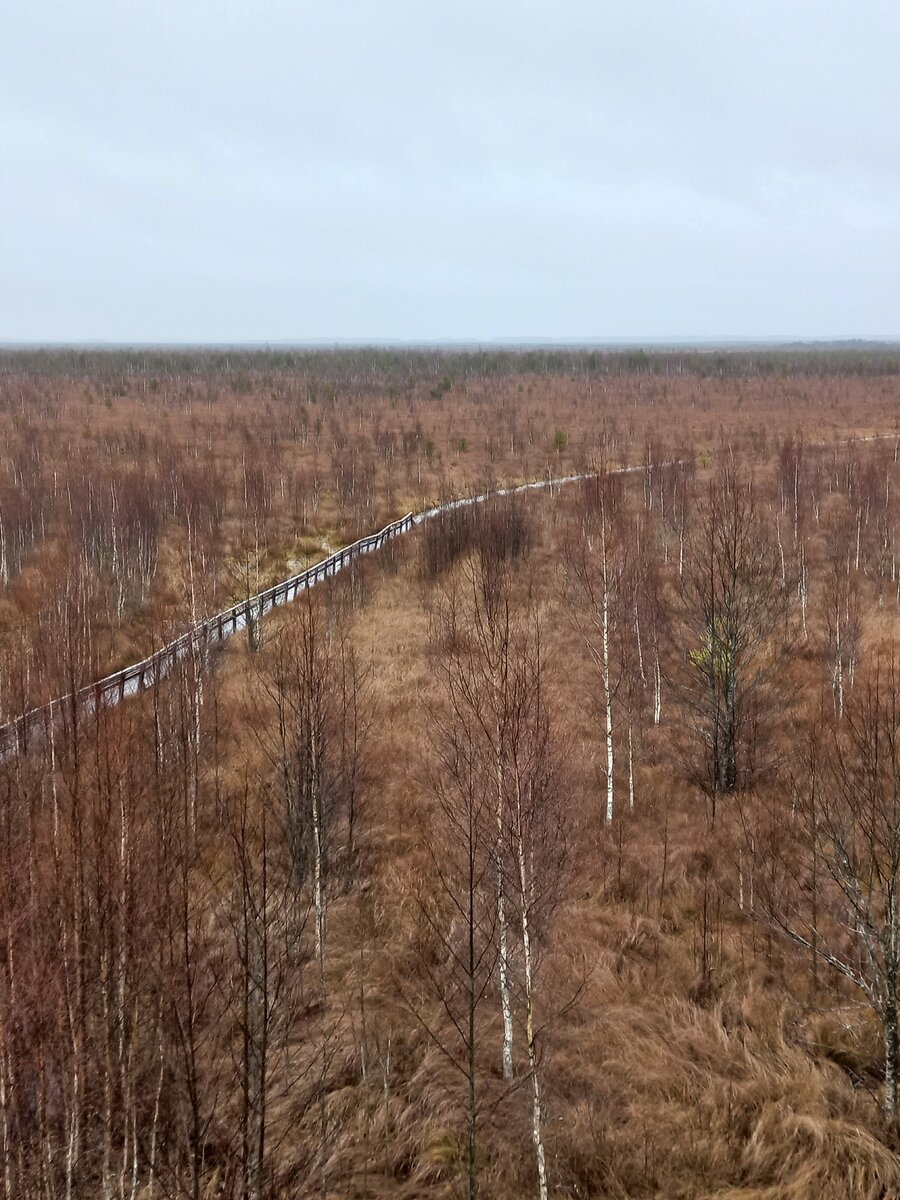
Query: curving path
[[131, 680], [138, 677]]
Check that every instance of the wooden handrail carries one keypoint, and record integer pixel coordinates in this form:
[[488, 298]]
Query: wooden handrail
[[114, 688]]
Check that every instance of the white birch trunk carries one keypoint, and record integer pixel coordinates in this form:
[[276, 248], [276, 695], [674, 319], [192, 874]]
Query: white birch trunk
[[781, 552], [537, 1123], [505, 1000], [630, 765], [157, 1106], [4, 1116], [4, 566], [803, 588], [839, 664], [640, 648], [858, 535], [741, 880], [607, 688], [318, 881]]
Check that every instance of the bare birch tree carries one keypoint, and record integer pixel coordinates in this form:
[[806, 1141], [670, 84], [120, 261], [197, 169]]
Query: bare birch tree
[[728, 608], [827, 870], [596, 562]]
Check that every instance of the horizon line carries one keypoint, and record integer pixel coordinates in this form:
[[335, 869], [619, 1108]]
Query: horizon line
[[736, 342]]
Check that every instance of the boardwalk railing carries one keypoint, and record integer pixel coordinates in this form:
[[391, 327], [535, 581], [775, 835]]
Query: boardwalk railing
[[140, 676], [137, 678], [132, 680]]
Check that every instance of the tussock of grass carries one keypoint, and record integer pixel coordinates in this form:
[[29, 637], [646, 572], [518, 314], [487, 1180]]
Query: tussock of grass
[[663, 1077], [683, 1052]]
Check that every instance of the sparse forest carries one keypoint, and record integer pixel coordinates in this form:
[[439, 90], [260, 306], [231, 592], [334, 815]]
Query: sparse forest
[[552, 851]]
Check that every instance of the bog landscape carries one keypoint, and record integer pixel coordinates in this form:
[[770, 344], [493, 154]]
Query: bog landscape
[[547, 845]]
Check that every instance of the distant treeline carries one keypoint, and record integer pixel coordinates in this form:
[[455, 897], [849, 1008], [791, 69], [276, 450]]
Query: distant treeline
[[397, 365]]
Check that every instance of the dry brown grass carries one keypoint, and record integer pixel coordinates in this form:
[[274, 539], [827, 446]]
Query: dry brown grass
[[663, 1079], [684, 1052]]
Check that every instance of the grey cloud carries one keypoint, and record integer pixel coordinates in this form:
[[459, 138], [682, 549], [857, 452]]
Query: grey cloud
[[268, 171]]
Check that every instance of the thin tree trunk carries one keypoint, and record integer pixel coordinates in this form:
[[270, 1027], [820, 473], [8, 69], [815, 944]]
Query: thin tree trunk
[[505, 1001], [891, 1053], [838, 663], [537, 1123], [4, 1115], [630, 764], [157, 1105], [608, 699], [318, 865]]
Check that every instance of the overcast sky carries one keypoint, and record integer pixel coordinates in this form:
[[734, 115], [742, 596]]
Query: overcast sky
[[253, 170]]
